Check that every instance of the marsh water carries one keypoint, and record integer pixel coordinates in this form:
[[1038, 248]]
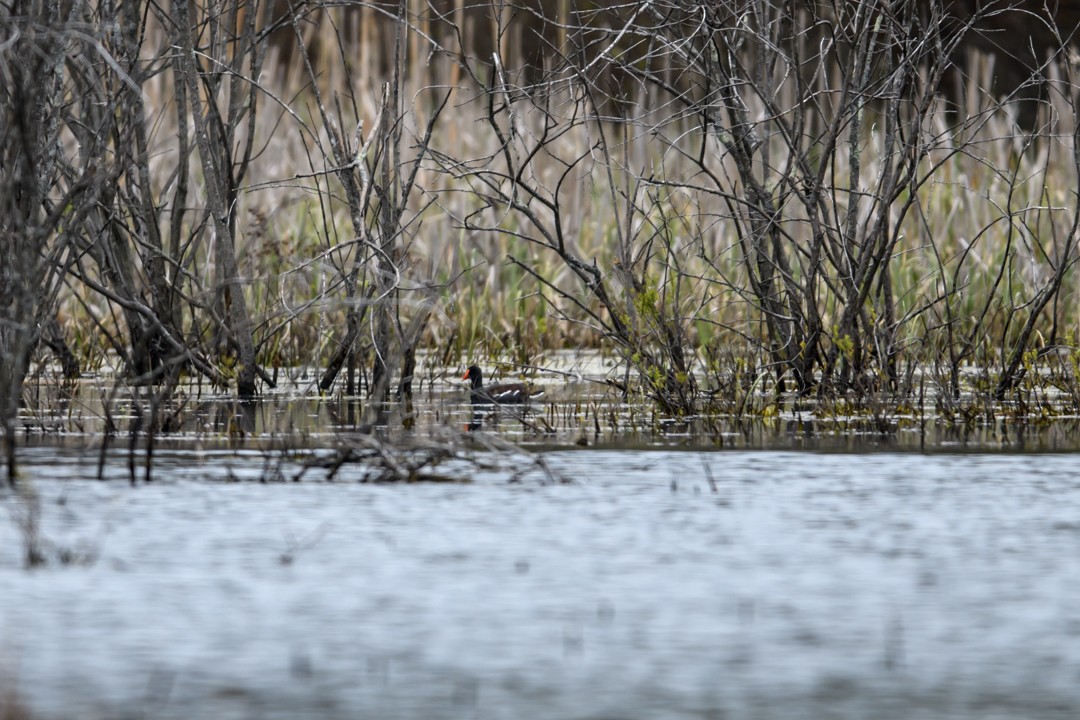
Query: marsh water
[[659, 577]]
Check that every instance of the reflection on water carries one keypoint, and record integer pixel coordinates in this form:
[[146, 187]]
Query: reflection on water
[[657, 584], [572, 414]]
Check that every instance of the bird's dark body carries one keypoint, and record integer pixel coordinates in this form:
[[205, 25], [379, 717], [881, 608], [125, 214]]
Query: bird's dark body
[[506, 394]]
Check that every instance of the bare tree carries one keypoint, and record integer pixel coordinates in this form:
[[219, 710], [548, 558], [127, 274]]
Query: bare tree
[[377, 170], [812, 135], [227, 71], [45, 193]]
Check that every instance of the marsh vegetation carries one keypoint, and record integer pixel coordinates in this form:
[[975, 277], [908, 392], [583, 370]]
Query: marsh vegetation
[[744, 204]]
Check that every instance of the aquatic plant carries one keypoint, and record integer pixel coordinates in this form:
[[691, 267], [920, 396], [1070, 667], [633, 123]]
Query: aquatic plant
[[735, 199]]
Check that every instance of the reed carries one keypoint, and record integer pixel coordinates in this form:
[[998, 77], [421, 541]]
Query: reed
[[420, 193]]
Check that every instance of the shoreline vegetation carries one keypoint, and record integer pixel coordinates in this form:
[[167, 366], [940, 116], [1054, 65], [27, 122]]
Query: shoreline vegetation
[[743, 203]]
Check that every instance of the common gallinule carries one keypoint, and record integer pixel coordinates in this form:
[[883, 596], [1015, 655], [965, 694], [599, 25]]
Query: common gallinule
[[507, 394]]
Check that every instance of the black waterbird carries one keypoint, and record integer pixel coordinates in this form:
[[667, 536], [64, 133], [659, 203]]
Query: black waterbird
[[506, 394]]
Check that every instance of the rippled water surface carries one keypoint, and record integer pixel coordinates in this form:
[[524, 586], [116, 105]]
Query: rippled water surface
[[651, 584]]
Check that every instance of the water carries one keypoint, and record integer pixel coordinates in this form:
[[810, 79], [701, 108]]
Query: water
[[580, 406], [654, 584]]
